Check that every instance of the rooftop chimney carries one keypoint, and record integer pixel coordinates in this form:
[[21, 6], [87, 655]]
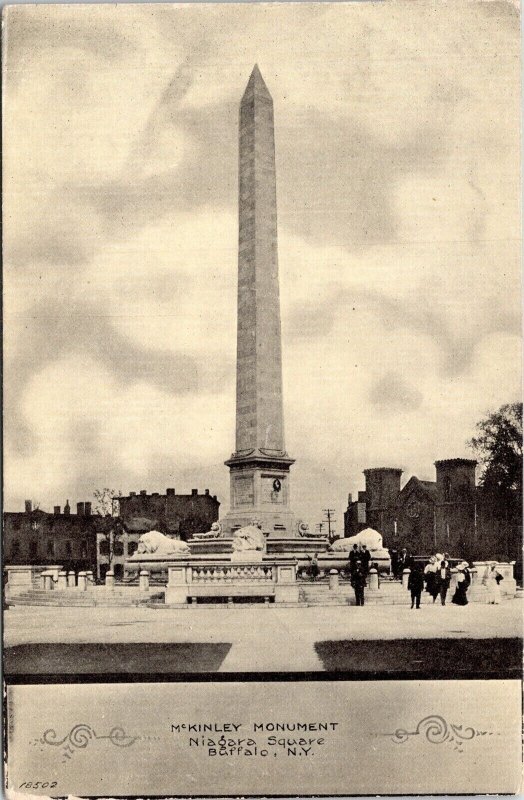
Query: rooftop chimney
[[206, 491], [28, 506], [80, 509], [132, 494], [170, 492], [57, 509], [143, 492], [194, 491], [87, 509], [67, 508]]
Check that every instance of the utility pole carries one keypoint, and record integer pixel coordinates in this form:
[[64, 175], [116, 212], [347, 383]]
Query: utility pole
[[330, 520]]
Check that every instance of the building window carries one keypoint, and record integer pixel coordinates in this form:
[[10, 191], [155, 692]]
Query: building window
[[33, 549], [50, 547], [447, 489], [83, 549], [118, 569], [413, 509], [104, 547], [68, 548], [15, 548]]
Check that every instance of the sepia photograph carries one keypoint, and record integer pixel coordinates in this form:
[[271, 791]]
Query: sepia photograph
[[262, 396]]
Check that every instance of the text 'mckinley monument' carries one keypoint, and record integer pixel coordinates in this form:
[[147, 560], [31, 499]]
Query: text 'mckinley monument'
[[259, 467]]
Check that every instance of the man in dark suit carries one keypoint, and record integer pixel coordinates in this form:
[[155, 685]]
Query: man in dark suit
[[403, 562], [443, 578], [354, 556], [365, 557], [358, 582], [415, 586]]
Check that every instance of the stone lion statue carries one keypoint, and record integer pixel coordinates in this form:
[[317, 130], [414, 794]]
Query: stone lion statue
[[249, 538], [158, 544], [303, 529], [214, 533], [371, 538]]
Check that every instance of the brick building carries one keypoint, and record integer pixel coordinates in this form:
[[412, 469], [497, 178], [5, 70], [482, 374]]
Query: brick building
[[36, 537], [449, 514], [176, 515]]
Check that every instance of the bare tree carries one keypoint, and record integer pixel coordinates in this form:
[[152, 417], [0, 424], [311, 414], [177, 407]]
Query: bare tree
[[106, 502], [106, 505]]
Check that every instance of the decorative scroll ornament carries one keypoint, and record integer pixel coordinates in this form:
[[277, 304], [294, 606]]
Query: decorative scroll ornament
[[436, 730], [81, 735]]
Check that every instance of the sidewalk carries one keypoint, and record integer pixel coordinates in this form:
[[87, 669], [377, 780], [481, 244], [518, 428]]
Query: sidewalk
[[257, 638]]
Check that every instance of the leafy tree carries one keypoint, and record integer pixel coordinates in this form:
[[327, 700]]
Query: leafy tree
[[498, 446]]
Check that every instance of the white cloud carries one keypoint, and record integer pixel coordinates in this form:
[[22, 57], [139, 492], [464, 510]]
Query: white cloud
[[437, 304]]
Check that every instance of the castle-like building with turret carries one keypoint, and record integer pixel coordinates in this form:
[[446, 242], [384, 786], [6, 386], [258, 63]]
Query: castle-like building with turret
[[450, 514]]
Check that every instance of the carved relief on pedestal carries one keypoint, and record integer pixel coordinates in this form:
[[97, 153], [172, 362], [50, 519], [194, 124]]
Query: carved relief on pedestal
[[244, 493]]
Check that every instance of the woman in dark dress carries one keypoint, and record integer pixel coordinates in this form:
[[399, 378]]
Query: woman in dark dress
[[430, 576], [463, 581]]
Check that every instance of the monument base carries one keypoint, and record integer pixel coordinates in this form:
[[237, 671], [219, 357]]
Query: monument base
[[259, 483], [190, 580], [296, 546], [216, 547], [246, 556], [273, 524]]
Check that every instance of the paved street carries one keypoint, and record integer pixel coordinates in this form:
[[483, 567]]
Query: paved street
[[262, 639]]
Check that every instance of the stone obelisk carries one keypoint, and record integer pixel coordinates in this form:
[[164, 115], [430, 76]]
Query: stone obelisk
[[259, 467]]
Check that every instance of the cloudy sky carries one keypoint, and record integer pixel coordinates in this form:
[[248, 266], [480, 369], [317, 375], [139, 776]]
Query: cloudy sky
[[397, 169]]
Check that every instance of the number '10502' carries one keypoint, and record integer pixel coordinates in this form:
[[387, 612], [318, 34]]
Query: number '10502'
[[38, 785]]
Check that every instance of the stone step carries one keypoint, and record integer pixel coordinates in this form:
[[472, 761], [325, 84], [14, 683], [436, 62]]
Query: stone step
[[44, 595], [71, 604], [42, 604], [347, 588], [313, 603], [372, 593], [80, 599]]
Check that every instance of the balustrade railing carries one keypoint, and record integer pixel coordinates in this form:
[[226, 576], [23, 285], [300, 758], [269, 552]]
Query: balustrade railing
[[228, 573]]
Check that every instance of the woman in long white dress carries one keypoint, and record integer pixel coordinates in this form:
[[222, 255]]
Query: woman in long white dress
[[494, 578]]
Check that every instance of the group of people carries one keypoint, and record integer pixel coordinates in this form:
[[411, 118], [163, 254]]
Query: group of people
[[358, 564], [359, 560], [436, 577], [400, 560]]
